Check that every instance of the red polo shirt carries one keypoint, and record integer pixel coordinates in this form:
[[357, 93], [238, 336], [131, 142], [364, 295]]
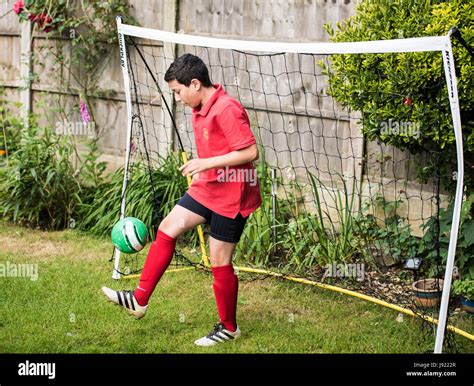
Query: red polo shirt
[[220, 127]]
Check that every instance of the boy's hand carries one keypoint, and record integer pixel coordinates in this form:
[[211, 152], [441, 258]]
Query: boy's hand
[[195, 166]]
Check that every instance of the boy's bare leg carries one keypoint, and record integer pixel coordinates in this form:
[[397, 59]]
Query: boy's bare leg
[[221, 252], [180, 220]]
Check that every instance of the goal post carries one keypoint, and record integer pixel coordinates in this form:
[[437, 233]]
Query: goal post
[[128, 102], [449, 70], [252, 72]]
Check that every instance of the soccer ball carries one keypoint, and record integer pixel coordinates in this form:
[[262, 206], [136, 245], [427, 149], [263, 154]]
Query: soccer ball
[[129, 235]]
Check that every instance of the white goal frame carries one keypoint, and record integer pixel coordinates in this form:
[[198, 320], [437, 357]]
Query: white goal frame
[[436, 43]]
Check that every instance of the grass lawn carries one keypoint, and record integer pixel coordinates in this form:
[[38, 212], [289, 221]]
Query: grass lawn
[[64, 311]]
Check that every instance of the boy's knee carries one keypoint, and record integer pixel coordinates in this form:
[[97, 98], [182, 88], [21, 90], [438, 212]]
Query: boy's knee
[[219, 261], [169, 229]]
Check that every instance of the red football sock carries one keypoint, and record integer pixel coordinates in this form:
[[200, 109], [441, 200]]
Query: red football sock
[[226, 286], [158, 259]]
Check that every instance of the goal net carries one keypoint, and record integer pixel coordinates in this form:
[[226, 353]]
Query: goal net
[[352, 187]]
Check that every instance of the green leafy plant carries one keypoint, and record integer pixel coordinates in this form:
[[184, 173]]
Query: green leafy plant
[[92, 170], [39, 187], [386, 240], [465, 244], [335, 243], [464, 288], [405, 87], [11, 126]]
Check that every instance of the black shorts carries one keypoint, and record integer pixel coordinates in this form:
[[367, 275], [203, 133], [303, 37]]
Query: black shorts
[[222, 228]]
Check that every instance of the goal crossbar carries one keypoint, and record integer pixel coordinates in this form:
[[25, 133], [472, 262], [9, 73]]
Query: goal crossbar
[[423, 44]]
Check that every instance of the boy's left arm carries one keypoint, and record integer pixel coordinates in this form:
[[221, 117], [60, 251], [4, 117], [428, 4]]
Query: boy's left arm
[[234, 158]]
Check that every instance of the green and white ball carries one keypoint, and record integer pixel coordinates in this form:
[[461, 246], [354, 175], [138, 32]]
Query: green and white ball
[[129, 235]]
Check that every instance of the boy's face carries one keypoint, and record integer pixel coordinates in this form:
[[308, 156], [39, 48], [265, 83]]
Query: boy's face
[[188, 96]]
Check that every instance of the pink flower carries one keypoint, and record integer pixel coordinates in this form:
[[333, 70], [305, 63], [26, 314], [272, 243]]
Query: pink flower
[[46, 22], [43, 20], [48, 26], [18, 7], [84, 113], [40, 19]]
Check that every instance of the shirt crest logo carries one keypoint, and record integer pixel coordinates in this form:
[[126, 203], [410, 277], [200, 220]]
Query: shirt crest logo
[[205, 133]]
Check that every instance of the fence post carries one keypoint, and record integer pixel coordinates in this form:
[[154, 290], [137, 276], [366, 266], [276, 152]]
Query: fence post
[[25, 70]]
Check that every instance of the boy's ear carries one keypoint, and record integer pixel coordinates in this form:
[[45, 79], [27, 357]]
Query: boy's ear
[[195, 84]]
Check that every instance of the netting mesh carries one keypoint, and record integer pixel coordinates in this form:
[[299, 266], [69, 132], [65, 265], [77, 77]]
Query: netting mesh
[[337, 207]]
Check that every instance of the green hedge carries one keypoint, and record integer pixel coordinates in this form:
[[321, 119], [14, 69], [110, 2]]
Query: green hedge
[[405, 87]]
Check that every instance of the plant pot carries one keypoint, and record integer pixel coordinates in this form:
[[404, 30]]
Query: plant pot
[[467, 305], [428, 292]]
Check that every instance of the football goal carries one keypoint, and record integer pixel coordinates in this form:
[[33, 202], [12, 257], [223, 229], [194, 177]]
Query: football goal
[[352, 178]]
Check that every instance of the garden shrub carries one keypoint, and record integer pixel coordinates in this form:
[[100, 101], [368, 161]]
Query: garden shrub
[[404, 87], [39, 186]]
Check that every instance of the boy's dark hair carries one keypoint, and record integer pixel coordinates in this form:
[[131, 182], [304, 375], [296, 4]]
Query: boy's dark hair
[[186, 68]]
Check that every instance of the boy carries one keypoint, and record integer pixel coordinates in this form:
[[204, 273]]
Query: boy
[[226, 148]]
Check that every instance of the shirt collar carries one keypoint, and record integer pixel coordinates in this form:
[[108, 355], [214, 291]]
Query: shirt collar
[[205, 109]]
